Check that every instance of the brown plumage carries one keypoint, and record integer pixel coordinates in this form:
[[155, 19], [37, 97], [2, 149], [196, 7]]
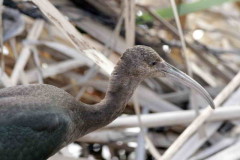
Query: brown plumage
[[38, 120]]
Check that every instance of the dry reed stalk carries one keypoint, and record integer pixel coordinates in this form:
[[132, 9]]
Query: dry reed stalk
[[2, 63], [174, 118], [129, 9], [25, 52], [182, 39], [73, 35], [152, 149]]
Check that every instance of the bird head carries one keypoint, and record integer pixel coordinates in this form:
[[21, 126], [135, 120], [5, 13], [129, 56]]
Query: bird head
[[143, 62]]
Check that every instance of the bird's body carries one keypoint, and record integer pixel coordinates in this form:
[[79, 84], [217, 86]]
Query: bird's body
[[34, 123], [38, 120]]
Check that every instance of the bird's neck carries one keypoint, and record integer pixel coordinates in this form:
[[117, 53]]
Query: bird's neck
[[120, 90]]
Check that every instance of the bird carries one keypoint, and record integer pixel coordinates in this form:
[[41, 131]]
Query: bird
[[37, 120]]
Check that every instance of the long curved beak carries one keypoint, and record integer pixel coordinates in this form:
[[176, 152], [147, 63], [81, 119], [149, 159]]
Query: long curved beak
[[178, 75]]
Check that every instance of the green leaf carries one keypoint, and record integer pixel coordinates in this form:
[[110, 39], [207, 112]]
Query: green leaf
[[186, 8]]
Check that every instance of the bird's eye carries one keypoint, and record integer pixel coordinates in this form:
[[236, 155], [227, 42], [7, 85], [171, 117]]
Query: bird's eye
[[153, 63]]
